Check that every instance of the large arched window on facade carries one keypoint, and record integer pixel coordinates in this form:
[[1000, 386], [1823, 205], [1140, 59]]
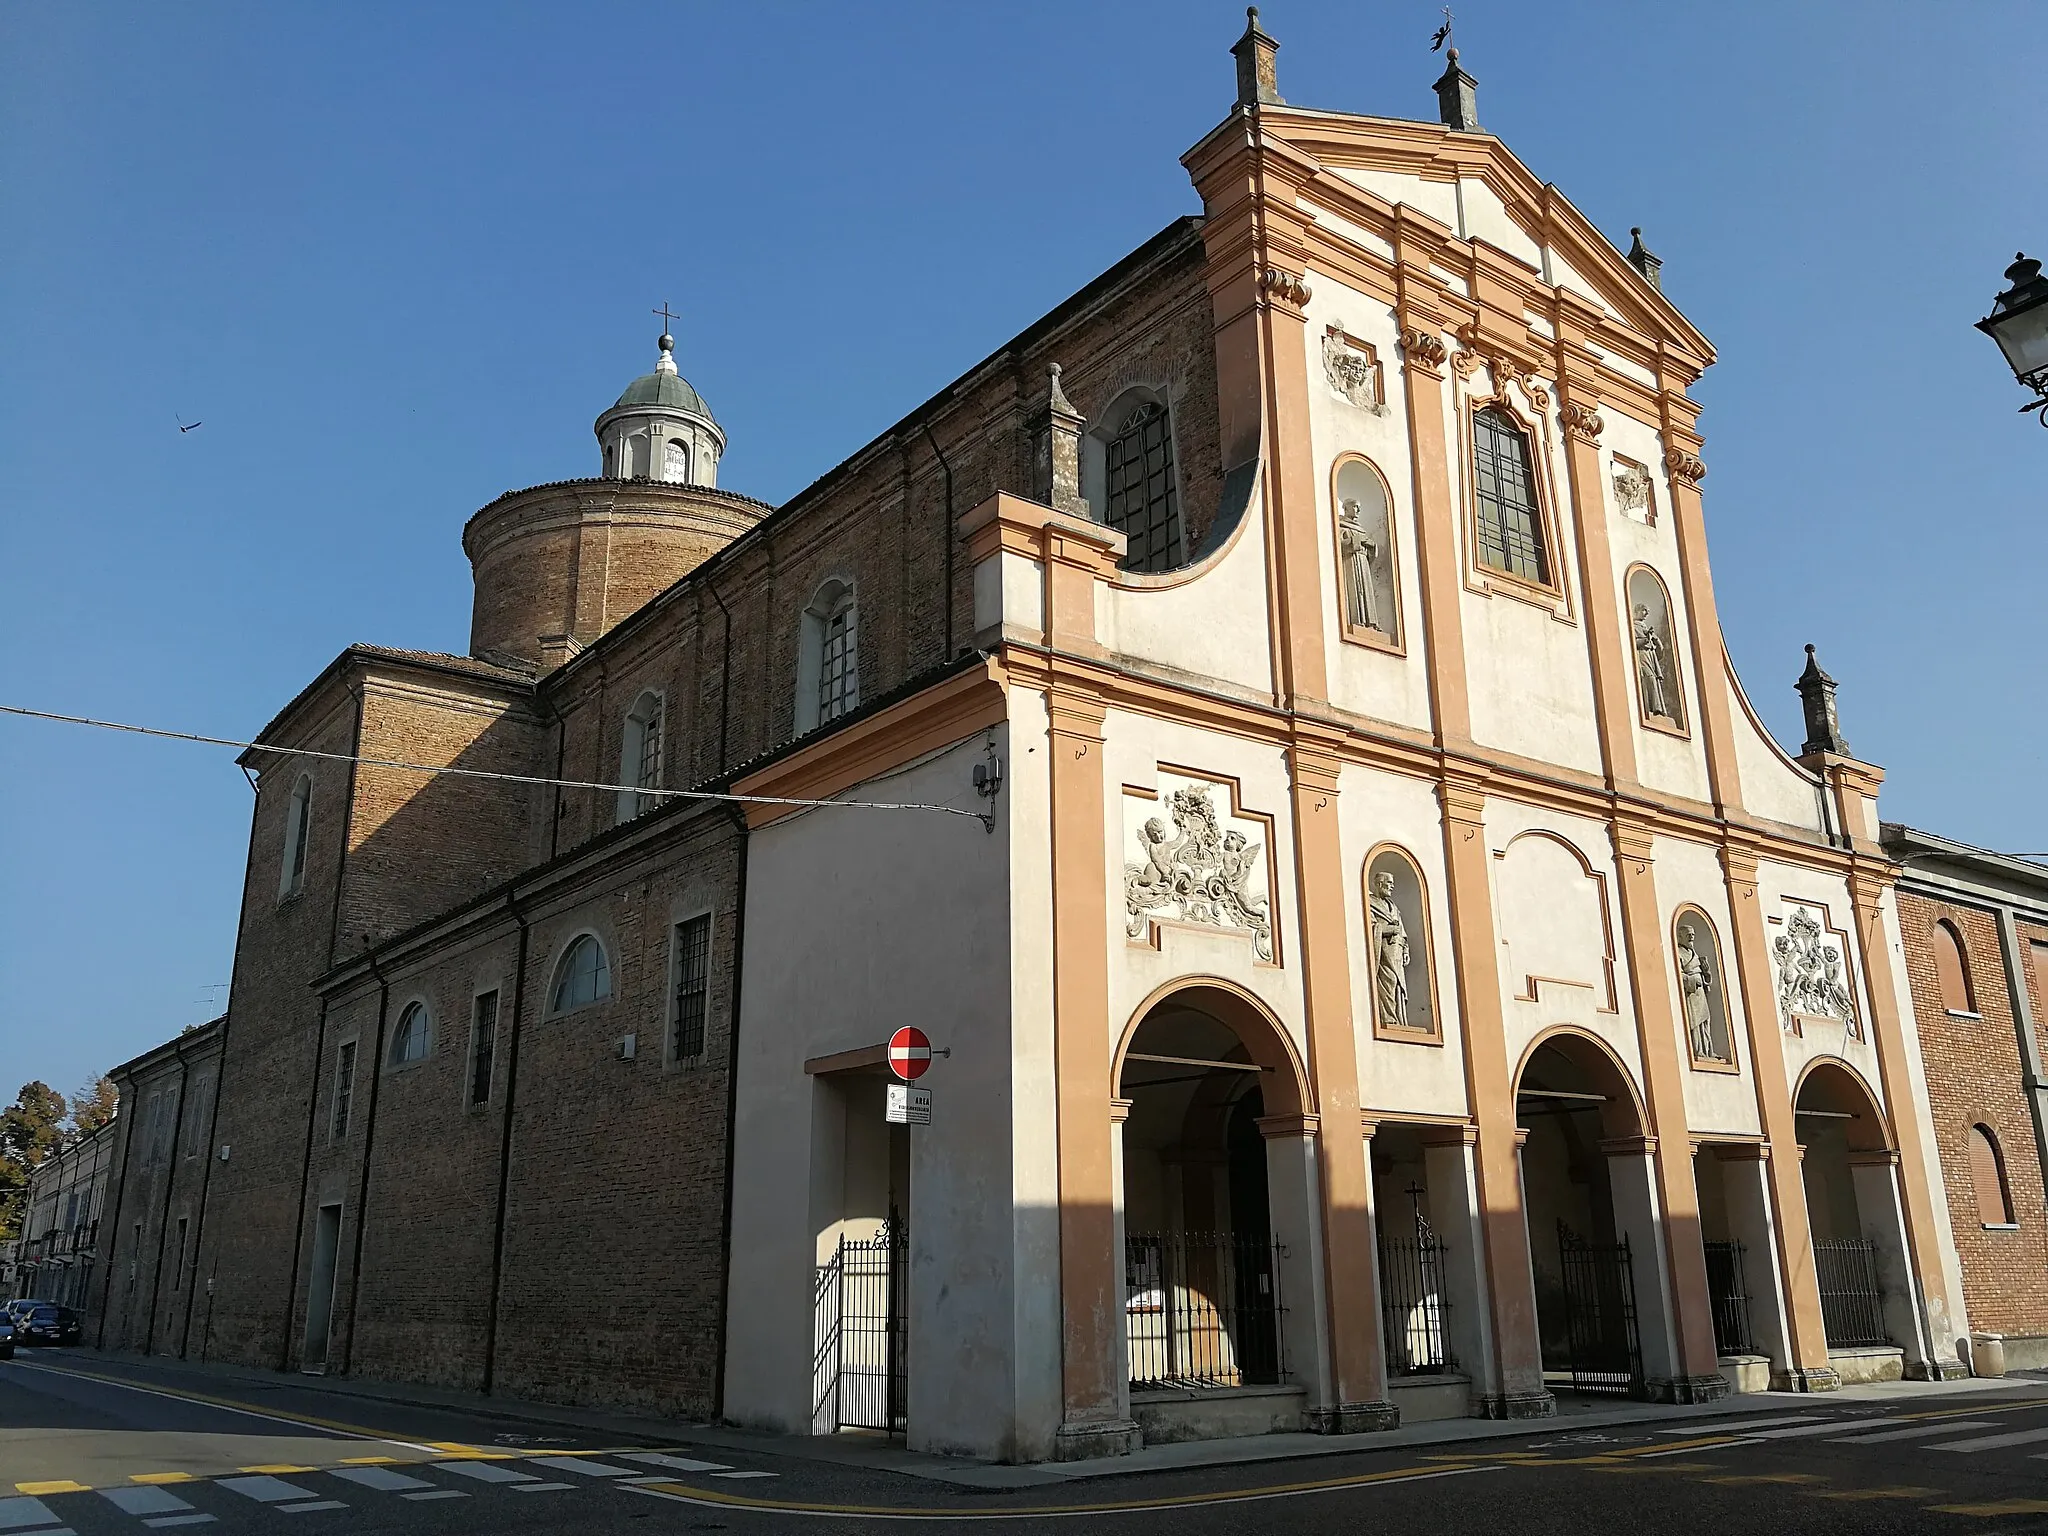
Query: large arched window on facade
[[640, 756], [583, 977], [298, 820], [1987, 1178], [1508, 521], [1952, 968], [1141, 485]]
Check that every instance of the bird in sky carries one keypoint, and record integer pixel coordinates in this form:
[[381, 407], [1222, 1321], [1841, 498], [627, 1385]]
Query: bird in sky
[[185, 426]]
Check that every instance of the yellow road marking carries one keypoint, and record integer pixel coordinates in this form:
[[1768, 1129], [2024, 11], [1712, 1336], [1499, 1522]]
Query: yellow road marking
[[1742, 1479], [279, 1466], [160, 1477], [62, 1486], [370, 1461], [2002, 1507], [1903, 1491], [1177, 1501], [281, 1415], [1677, 1445]]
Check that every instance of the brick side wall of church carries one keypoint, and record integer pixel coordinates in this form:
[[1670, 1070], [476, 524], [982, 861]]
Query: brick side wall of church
[[617, 1167], [1974, 1076]]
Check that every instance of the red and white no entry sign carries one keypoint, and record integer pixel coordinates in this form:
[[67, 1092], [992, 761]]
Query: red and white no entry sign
[[910, 1053]]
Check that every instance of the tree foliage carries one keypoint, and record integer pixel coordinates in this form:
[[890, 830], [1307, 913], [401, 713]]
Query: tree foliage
[[31, 1128], [91, 1107]]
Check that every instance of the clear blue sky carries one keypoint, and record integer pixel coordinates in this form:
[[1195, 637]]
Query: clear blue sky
[[397, 257]]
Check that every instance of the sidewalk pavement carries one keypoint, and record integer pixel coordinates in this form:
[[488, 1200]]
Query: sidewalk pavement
[[876, 1452]]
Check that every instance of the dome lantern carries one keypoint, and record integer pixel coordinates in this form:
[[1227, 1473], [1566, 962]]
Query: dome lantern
[[660, 428]]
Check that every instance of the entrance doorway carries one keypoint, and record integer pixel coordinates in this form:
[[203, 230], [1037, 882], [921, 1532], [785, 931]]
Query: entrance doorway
[[320, 1289], [860, 1297], [1583, 1147], [1202, 1269]]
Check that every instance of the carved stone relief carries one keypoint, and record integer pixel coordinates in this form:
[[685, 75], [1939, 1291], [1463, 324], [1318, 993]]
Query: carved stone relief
[[1196, 864], [1398, 924], [1635, 494], [1365, 553], [1702, 989], [1812, 972], [1353, 370], [1658, 692]]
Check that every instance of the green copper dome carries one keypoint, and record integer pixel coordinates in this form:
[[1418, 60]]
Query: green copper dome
[[664, 387]]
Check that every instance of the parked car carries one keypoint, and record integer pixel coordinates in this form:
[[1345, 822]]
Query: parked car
[[13, 1309], [6, 1337], [44, 1323]]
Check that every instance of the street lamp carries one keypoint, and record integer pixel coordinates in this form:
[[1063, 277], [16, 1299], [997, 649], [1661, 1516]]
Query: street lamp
[[2018, 322]]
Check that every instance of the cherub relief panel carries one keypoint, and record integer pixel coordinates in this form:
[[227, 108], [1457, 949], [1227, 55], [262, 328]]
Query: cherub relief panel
[[1198, 860], [1811, 961]]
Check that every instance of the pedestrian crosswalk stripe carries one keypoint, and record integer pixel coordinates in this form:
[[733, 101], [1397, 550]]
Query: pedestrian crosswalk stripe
[[675, 1463], [1802, 1431], [1914, 1431], [484, 1471], [17, 1514], [383, 1479], [1718, 1426], [308, 1506], [742, 1474], [195, 1518], [540, 1487], [574, 1464], [436, 1493], [1993, 1442], [266, 1489], [144, 1501]]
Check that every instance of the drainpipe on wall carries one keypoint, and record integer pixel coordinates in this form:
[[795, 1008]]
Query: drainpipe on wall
[[127, 1122], [206, 1184], [163, 1228], [355, 1263], [945, 538], [505, 1154], [2011, 950], [732, 1104]]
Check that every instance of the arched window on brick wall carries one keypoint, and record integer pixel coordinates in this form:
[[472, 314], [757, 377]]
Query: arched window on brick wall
[[1952, 968], [1987, 1177], [298, 822]]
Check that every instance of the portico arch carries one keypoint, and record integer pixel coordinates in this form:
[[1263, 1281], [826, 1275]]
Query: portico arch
[[1215, 1199], [1596, 1253], [1849, 1165]]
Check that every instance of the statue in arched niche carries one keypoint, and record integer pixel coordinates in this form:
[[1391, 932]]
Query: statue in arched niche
[[1650, 630], [1391, 951], [1397, 946], [1359, 551]]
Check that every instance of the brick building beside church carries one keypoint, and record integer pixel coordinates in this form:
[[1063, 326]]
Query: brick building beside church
[[1370, 929]]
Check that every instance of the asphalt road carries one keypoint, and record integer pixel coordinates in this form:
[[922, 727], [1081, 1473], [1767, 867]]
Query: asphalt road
[[89, 1446]]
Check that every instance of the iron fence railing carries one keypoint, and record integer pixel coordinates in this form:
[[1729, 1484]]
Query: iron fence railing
[[1728, 1294], [1202, 1309], [1414, 1305], [859, 1334], [1851, 1305]]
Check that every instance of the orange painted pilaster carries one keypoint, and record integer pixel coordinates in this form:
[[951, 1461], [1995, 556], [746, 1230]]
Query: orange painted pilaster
[[1607, 631], [1091, 1292], [1806, 1339], [1698, 1377], [1489, 1083], [1436, 532], [1709, 657], [1358, 1363], [1866, 893]]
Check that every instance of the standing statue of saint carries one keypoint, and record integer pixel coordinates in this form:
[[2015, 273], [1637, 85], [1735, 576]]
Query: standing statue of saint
[[1696, 980], [1650, 666], [1390, 953], [1359, 552]]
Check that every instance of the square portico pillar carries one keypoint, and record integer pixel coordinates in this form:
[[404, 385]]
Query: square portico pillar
[[1746, 1181], [1631, 1175], [1293, 1191], [1454, 1206], [1881, 1217]]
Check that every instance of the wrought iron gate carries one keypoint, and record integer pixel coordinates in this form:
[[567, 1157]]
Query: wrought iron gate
[[1414, 1305], [1729, 1295], [859, 1362], [1600, 1315], [1851, 1302]]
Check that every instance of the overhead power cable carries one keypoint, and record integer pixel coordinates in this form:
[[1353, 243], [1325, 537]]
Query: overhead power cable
[[797, 802]]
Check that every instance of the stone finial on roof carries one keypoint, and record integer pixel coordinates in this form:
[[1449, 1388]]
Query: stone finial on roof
[[1817, 697], [1647, 262], [1056, 450], [666, 363], [1257, 79], [1457, 97]]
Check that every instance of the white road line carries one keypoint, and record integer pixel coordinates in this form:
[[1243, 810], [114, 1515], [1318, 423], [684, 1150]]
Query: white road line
[[484, 1471], [247, 1413], [265, 1489], [144, 1501], [540, 1487], [676, 1463], [1834, 1426], [436, 1493], [1992, 1442], [581, 1465], [195, 1518], [1693, 1450], [1719, 1426], [309, 1506], [743, 1474], [1915, 1432]]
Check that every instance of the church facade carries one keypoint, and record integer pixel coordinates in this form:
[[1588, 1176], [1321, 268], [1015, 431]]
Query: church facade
[[1279, 747]]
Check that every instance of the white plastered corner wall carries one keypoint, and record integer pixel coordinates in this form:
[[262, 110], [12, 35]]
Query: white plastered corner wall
[[858, 921]]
